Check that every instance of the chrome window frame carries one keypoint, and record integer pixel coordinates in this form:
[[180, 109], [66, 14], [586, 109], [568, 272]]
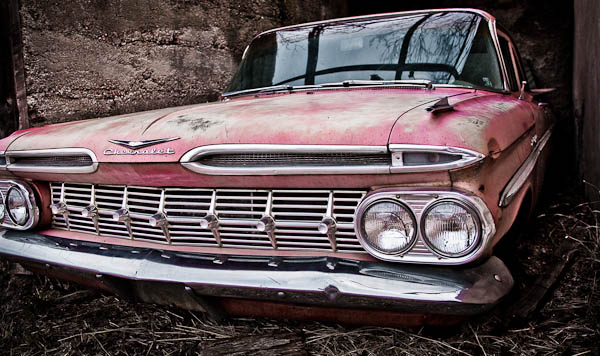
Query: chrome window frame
[[11, 167]]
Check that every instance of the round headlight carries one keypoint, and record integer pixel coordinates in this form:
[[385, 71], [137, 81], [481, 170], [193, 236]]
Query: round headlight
[[451, 228], [2, 207], [388, 227], [16, 204]]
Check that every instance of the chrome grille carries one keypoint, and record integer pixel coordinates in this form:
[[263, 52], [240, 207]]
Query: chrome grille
[[293, 159], [297, 214]]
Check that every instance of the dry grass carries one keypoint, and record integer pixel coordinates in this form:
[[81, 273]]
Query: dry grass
[[45, 316]]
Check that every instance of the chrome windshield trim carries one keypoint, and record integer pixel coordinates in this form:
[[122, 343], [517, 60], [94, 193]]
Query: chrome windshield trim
[[188, 160], [469, 157], [32, 207], [419, 202], [54, 152], [517, 181]]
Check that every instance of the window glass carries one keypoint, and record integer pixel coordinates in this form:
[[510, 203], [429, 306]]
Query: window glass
[[446, 48], [504, 47]]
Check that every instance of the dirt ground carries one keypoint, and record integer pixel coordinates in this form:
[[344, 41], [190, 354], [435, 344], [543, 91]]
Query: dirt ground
[[39, 315]]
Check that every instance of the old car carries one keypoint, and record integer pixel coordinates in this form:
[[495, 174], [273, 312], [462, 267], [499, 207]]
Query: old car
[[357, 170]]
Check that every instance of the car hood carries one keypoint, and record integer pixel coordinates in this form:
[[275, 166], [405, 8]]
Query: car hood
[[355, 116]]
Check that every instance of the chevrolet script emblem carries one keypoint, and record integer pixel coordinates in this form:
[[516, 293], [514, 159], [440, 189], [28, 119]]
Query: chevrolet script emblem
[[135, 147]]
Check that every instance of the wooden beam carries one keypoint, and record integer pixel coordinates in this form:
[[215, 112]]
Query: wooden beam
[[18, 67]]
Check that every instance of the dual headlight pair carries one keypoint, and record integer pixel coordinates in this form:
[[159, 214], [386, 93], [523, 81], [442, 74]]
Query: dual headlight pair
[[389, 228], [18, 208]]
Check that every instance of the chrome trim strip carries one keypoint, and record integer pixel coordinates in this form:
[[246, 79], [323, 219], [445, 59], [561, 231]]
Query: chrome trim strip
[[33, 210], [189, 158], [469, 157], [515, 184], [50, 153], [310, 281], [488, 228], [3, 166]]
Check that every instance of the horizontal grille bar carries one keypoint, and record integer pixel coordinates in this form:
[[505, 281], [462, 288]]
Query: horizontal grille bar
[[296, 215]]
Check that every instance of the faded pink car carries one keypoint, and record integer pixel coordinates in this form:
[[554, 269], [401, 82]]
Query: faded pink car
[[356, 170]]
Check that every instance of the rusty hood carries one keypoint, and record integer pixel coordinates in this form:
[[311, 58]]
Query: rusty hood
[[355, 116]]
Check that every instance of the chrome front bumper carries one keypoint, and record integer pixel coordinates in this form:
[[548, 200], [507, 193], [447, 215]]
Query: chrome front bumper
[[154, 275]]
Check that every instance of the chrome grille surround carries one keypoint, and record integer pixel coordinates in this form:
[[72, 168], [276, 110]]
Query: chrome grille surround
[[59, 160], [267, 159], [419, 201], [174, 216]]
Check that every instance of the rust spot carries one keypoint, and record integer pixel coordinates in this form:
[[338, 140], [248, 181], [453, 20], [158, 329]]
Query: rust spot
[[493, 148], [196, 123]]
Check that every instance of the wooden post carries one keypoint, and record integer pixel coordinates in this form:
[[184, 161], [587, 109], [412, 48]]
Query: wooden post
[[18, 68]]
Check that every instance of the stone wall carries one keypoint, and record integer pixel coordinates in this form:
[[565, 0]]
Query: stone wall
[[91, 58]]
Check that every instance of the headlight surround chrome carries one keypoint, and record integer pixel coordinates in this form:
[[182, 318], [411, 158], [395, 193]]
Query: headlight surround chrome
[[21, 211], [2, 207], [450, 228], [418, 201], [16, 204], [388, 227]]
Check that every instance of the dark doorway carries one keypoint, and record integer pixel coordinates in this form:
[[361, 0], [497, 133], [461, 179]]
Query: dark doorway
[[8, 114]]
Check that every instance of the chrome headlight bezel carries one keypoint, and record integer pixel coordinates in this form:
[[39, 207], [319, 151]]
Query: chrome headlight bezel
[[33, 212], [2, 208], [418, 200], [364, 208], [467, 207]]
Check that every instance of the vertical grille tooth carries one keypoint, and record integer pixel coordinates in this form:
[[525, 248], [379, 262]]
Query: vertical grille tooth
[[296, 215]]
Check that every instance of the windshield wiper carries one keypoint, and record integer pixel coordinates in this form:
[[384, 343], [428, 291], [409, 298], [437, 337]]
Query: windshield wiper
[[262, 90], [346, 83]]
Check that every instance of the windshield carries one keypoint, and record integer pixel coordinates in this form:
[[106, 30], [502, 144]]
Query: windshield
[[444, 48]]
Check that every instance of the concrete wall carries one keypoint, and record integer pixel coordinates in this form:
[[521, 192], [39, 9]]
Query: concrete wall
[[90, 58], [586, 90]]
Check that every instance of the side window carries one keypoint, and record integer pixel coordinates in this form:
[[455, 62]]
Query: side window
[[508, 63]]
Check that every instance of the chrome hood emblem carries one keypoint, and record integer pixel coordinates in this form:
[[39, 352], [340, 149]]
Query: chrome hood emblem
[[135, 145]]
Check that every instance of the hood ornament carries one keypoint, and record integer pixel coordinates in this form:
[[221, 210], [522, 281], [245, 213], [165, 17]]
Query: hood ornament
[[135, 145]]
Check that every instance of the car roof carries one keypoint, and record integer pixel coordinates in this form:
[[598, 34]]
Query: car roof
[[481, 13]]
